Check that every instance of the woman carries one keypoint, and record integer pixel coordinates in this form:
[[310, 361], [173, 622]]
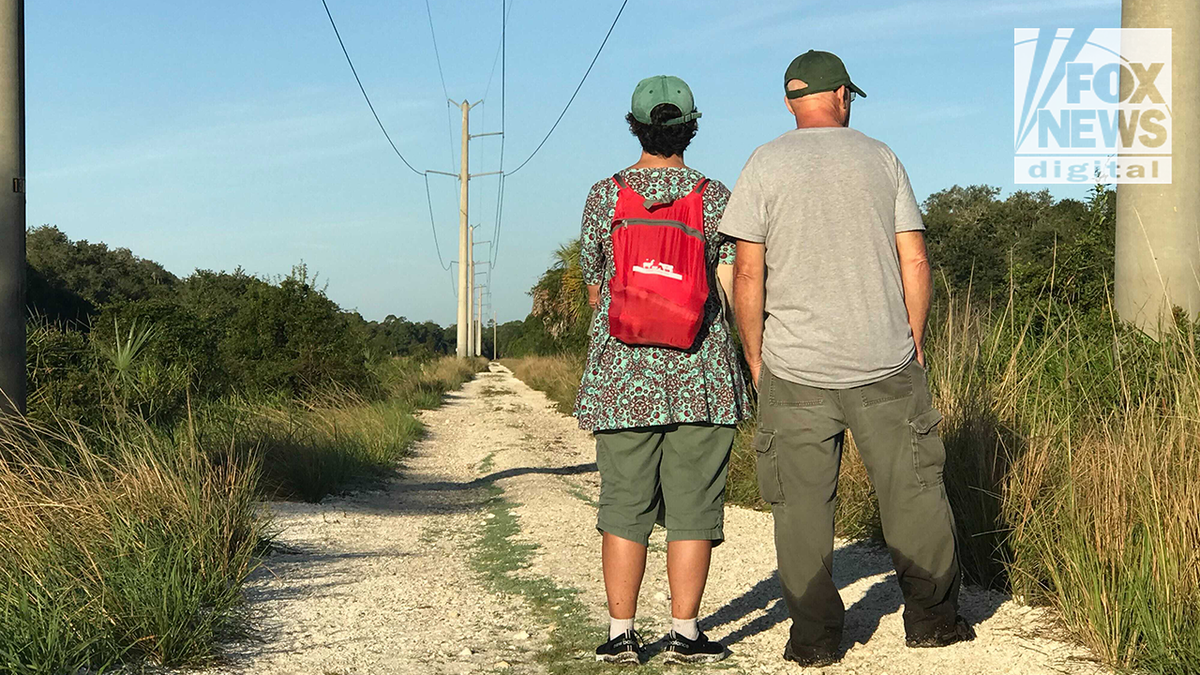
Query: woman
[[663, 417]]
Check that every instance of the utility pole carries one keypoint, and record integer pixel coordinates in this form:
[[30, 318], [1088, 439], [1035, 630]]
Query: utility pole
[[479, 325], [12, 206], [1158, 226], [495, 335], [464, 247], [471, 292], [466, 256]]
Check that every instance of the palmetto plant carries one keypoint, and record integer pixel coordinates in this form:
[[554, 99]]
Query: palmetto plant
[[560, 295], [124, 351]]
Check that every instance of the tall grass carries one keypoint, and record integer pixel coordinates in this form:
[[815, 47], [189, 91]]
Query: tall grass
[[117, 546], [126, 542], [1073, 464], [557, 376], [336, 440]]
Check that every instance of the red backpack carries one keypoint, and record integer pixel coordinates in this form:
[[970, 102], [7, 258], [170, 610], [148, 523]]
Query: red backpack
[[661, 280]]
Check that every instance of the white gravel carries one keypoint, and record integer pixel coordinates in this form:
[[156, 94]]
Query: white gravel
[[380, 582]]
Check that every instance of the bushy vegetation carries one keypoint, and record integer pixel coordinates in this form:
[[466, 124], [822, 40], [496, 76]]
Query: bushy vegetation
[[161, 411], [1073, 440]]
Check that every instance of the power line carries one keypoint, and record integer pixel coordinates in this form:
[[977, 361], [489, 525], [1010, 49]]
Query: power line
[[364, 91], [572, 99], [432, 226], [503, 91], [496, 59], [437, 55]]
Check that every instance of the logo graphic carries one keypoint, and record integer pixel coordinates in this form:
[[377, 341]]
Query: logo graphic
[[1092, 105], [658, 269]]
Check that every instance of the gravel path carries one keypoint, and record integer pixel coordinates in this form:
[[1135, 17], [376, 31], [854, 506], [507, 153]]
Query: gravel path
[[382, 582]]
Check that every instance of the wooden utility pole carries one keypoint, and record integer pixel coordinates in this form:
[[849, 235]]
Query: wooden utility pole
[[1158, 226], [12, 206]]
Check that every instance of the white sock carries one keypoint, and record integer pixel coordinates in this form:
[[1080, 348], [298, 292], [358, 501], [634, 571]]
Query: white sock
[[618, 627], [688, 628]]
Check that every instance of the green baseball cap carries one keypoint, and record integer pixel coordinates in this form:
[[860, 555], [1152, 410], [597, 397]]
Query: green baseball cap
[[821, 71], [655, 91]]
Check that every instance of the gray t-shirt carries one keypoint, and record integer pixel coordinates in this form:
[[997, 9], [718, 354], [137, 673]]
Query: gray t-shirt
[[828, 202]]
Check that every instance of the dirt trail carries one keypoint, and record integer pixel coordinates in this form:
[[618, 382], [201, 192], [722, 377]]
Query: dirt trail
[[382, 582]]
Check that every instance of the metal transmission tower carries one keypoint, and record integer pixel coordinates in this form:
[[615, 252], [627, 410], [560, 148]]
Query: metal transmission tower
[[1158, 226], [12, 206]]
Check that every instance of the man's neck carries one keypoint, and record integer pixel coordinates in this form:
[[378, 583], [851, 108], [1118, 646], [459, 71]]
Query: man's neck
[[818, 122], [649, 161]]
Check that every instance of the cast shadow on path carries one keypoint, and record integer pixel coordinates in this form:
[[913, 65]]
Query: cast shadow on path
[[412, 495], [854, 562]]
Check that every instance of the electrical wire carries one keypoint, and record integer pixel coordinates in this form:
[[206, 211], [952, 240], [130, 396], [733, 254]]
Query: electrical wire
[[437, 55], [503, 91], [364, 91], [432, 226], [572, 99], [496, 59]]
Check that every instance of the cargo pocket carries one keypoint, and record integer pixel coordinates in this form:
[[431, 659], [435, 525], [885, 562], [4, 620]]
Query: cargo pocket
[[767, 467], [929, 454]]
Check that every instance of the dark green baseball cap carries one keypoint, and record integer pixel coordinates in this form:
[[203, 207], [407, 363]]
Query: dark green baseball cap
[[655, 91], [821, 71]]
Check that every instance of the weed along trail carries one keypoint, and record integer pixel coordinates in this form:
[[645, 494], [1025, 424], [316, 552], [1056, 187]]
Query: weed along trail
[[483, 557]]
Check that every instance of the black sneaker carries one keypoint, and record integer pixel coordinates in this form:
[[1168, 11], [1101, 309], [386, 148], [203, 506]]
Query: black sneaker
[[960, 632], [680, 649], [625, 648], [811, 656]]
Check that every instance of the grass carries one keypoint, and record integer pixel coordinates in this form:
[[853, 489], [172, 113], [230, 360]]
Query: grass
[[1073, 465], [557, 376], [501, 561], [128, 544], [118, 547]]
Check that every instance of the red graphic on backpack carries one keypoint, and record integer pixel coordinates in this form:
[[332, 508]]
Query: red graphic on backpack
[[661, 281]]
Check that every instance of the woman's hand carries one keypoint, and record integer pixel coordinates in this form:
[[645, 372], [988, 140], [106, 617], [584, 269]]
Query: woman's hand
[[594, 296]]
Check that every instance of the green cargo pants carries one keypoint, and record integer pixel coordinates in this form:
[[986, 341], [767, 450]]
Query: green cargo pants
[[799, 451]]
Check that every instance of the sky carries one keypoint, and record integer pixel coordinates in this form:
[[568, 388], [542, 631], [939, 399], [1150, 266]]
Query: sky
[[229, 134]]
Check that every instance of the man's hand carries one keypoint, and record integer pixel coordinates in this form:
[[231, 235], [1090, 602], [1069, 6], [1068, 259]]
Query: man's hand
[[917, 278], [749, 301], [755, 370], [593, 296]]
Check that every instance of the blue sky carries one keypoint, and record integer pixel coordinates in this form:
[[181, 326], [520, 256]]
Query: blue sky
[[223, 134]]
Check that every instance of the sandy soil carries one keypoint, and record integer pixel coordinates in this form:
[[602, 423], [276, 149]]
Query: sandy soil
[[380, 582]]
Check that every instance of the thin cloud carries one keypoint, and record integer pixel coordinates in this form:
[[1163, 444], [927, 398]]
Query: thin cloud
[[777, 23], [243, 127]]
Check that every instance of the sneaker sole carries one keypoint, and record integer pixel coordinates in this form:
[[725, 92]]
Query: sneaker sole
[[622, 659], [682, 659]]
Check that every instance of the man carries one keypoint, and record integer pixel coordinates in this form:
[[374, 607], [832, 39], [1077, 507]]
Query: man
[[664, 417], [832, 290]]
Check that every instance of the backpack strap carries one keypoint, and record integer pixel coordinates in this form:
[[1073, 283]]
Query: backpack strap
[[620, 181], [700, 186]]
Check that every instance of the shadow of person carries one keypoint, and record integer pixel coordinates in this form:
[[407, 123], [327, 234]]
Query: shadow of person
[[858, 560], [852, 562]]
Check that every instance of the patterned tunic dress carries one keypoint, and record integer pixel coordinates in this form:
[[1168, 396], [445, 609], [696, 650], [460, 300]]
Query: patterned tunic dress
[[628, 387]]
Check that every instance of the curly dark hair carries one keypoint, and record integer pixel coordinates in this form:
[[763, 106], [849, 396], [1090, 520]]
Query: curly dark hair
[[660, 140]]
